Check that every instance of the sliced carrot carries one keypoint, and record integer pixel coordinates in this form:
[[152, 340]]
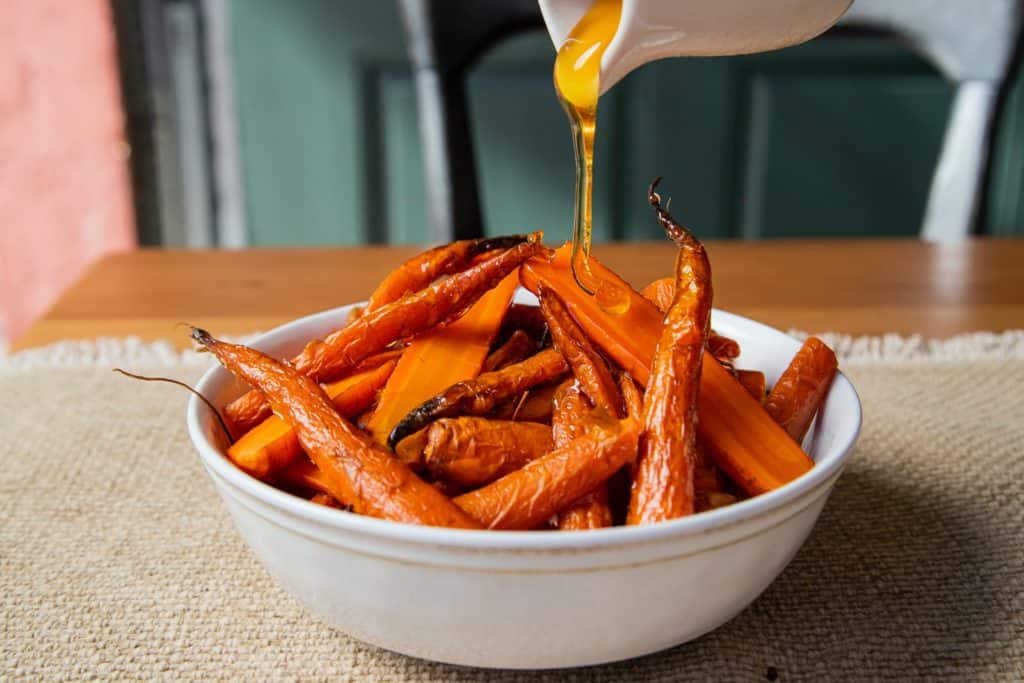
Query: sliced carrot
[[440, 358], [741, 437], [273, 445]]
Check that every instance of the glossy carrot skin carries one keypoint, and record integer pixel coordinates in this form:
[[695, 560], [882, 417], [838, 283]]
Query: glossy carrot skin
[[663, 486], [741, 436], [754, 382], [517, 347], [482, 394], [273, 444], [358, 473], [441, 357], [473, 451], [524, 499], [661, 292], [400, 320], [424, 268], [802, 388], [723, 348], [569, 419], [589, 368]]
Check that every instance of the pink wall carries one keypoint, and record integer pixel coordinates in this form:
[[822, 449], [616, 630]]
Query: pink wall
[[65, 194]]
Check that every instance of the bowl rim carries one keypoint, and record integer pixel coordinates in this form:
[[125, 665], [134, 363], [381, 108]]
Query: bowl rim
[[218, 465]]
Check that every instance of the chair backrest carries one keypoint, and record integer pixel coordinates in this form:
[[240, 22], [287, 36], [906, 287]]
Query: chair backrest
[[971, 43]]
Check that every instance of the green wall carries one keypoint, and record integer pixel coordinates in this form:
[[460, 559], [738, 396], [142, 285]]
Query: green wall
[[837, 137]]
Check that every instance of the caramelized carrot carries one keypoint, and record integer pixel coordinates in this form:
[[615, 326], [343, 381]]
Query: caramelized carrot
[[533, 405], [753, 381], [482, 394], [358, 473], [303, 474], [440, 302], [661, 292], [524, 499], [568, 421], [740, 435], [424, 268], [440, 358], [802, 388], [723, 348], [663, 476], [589, 368], [472, 451], [272, 444], [517, 347]]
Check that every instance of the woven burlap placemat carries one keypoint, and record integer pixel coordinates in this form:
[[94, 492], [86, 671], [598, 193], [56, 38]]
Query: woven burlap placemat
[[117, 560]]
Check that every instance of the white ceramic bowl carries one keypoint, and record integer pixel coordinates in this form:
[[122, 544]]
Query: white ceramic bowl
[[529, 600]]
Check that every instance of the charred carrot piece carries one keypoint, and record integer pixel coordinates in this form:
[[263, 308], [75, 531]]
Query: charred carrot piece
[[568, 421], [754, 382], [802, 388], [524, 499], [589, 368], [472, 451], [517, 347], [424, 268], [358, 473], [273, 445], [745, 441], [663, 476], [441, 357], [400, 320], [482, 394]]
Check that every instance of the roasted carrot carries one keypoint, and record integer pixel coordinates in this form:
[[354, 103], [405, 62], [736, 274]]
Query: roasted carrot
[[569, 420], [802, 388], [661, 292], [524, 499], [272, 444], [589, 368], [533, 405], [424, 268], [358, 473], [723, 348], [753, 381], [517, 347], [303, 474], [663, 476], [472, 451], [440, 302], [441, 357], [740, 435], [482, 394]]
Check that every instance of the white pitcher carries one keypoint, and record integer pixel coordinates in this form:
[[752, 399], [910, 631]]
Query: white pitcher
[[653, 29]]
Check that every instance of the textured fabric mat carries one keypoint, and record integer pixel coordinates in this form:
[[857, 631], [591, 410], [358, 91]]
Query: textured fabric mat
[[117, 560]]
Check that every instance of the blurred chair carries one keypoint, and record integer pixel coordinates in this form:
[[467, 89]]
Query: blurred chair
[[971, 43]]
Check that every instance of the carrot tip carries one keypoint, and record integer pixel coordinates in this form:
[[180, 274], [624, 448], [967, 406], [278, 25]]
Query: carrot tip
[[202, 336]]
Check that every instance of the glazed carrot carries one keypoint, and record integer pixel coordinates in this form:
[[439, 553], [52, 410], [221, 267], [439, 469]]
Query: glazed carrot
[[741, 436], [589, 368], [517, 347], [302, 473], [533, 405], [723, 348], [754, 382], [524, 499], [482, 394], [441, 357], [441, 302], [472, 451], [660, 292], [569, 420], [358, 473], [424, 268], [663, 476], [272, 444], [802, 388]]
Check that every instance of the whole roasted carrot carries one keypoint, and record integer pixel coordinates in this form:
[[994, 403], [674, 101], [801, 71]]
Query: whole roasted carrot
[[441, 357], [482, 394], [746, 442], [802, 388], [424, 268], [272, 444], [472, 451], [589, 368], [358, 473], [517, 347], [572, 414], [524, 499], [440, 302], [663, 476]]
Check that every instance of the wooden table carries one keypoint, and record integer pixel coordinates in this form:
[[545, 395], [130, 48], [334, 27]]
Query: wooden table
[[859, 287]]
